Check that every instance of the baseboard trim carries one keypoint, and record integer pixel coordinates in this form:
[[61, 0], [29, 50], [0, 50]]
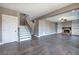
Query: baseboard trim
[[36, 36], [1, 43], [47, 34], [74, 35], [7, 42]]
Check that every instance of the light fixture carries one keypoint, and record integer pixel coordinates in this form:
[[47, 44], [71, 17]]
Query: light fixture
[[63, 19]]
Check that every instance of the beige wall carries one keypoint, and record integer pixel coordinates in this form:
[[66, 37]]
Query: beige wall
[[8, 11], [46, 27], [22, 21]]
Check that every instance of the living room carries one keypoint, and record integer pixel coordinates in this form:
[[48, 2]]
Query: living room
[[39, 29]]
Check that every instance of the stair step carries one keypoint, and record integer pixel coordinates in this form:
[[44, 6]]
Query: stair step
[[25, 39], [24, 30], [22, 26], [25, 35]]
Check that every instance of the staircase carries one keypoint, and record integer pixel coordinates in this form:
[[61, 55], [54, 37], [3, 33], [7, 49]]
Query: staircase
[[24, 33]]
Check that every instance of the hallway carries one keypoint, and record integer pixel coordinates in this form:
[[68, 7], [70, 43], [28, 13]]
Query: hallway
[[56, 44]]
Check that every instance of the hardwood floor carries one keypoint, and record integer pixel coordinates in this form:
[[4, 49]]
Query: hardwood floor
[[57, 44]]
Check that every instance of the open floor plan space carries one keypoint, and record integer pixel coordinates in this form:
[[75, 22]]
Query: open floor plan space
[[39, 28]]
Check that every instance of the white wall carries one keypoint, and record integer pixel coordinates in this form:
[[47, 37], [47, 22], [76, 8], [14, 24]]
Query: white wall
[[59, 27], [67, 24], [75, 27], [46, 27]]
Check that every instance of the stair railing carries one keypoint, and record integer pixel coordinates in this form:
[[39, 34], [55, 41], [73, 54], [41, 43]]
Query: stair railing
[[26, 24], [18, 34]]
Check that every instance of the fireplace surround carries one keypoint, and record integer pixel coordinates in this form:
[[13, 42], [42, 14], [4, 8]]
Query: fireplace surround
[[66, 30]]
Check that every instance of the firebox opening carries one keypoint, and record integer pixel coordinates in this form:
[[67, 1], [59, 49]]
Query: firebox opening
[[66, 31]]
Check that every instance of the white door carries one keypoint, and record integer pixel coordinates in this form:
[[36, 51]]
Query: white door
[[9, 28]]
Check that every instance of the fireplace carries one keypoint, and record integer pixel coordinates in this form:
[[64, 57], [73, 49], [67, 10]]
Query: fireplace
[[66, 30]]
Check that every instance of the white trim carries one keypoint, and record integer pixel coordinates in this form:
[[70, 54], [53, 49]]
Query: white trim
[[1, 43], [7, 42], [25, 39], [75, 34], [36, 36], [46, 34]]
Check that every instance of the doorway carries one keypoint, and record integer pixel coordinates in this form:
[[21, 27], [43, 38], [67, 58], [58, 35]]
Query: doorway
[[9, 28]]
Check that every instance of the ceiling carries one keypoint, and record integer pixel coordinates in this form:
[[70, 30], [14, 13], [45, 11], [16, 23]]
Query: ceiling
[[34, 10], [72, 15]]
